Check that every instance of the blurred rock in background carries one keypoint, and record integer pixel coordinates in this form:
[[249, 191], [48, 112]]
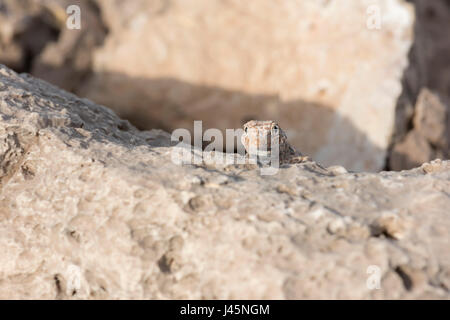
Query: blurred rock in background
[[68, 62], [429, 136], [345, 92], [26, 27], [34, 39], [422, 128]]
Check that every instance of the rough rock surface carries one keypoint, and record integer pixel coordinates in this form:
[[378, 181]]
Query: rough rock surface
[[226, 62], [90, 207]]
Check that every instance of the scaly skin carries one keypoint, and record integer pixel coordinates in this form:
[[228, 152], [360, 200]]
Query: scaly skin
[[259, 138]]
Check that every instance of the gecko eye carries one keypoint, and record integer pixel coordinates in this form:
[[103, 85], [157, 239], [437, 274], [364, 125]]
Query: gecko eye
[[245, 129], [275, 128]]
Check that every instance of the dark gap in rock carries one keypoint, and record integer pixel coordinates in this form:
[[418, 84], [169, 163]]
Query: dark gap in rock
[[57, 284], [406, 279], [34, 38]]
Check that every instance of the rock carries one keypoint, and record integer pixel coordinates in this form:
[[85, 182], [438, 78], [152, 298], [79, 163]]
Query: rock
[[26, 27], [92, 208], [433, 45], [167, 63], [426, 84], [68, 61], [163, 87], [430, 135], [430, 119], [391, 224], [411, 152], [34, 38]]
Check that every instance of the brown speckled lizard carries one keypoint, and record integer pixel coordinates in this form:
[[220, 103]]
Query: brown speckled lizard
[[259, 138]]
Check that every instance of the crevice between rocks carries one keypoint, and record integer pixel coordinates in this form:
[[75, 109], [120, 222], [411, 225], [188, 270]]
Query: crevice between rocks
[[406, 279]]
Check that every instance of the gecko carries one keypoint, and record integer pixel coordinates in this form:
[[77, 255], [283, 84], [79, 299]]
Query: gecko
[[259, 136]]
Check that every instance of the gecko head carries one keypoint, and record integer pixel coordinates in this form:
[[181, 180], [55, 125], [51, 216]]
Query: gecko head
[[259, 136]]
